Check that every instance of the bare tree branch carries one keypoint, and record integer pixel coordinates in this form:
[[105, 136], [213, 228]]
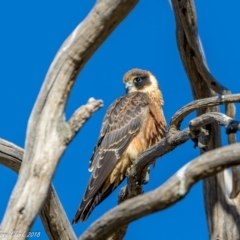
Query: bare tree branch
[[52, 213], [82, 114], [166, 195], [199, 104], [47, 127], [54, 218], [134, 186], [231, 112], [170, 142], [48, 133], [232, 126], [203, 84], [186, 18], [10, 155]]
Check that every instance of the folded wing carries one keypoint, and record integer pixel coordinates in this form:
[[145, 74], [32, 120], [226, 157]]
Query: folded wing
[[121, 124]]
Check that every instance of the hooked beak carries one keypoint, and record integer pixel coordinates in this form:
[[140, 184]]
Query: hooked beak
[[128, 86]]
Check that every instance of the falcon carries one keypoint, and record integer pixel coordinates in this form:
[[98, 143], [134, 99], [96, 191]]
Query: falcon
[[133, 123]]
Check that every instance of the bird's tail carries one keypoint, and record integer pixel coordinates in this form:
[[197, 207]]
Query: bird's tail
[[86, 207]]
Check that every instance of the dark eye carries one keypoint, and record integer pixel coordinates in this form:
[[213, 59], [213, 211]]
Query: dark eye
[[137, 79]]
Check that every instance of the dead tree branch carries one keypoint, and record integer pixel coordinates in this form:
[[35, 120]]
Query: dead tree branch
[[47, 127], [48, 134], [232, 126], [185, 15], [204, 85], [52, 213], [166, 195], [167, 144], [171, 141], [82, 114], [200, 104]]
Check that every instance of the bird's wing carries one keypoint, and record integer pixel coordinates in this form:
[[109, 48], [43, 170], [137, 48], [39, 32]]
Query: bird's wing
[[121, 124]]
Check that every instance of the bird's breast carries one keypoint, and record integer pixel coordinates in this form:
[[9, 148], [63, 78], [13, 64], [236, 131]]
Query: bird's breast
[[150, 133]]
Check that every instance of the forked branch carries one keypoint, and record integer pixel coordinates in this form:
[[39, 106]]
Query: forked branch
[[52, 213], [48, 133], [172, 140], [176, 188], [200, 104], [166, 195]]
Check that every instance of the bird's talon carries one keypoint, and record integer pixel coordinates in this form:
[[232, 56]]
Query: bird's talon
[[202, 146]]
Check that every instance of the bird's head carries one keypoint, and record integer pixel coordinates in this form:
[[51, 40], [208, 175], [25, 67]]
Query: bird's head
[[140, 80]]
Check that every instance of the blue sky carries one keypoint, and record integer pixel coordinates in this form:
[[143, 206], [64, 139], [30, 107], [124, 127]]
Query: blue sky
[[31, 34]]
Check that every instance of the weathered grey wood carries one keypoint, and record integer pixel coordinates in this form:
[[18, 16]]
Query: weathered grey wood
[[47, 127], [172, 140], [200, 104], [223, 217], [232, 126], [134, 187], [48, 134], [10, 155], [168, 143], [231, 112], [52, 213], [166, 195], [186, 21], [54, 218]]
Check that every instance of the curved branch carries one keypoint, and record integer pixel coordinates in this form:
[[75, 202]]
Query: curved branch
[[232, 126], [199, 104], [52, 213], [186, 18], [82, 114], [166, 195], [170, 142], [203, 85], [48, 134], [10, 155]]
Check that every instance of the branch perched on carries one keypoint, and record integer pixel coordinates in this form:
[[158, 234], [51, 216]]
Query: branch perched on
[[172, 140], [200, 104], [166, 195], [167, 144]]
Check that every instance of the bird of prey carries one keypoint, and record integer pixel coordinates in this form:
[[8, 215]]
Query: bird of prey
[[133, 123]]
